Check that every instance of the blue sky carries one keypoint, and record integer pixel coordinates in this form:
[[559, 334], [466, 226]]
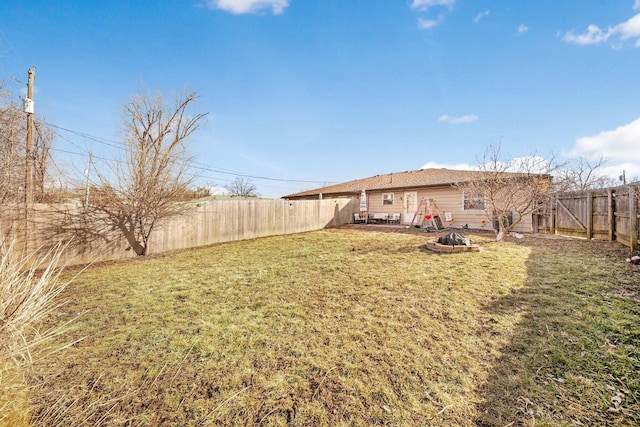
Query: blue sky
[[302, 93]]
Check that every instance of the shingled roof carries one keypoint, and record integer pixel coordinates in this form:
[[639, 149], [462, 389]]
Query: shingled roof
[[408, 179]]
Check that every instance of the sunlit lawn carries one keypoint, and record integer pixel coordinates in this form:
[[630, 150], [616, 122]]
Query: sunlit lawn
[[351, 328]]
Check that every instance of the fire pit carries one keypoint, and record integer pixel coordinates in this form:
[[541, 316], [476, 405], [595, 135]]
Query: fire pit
[[453, 243]]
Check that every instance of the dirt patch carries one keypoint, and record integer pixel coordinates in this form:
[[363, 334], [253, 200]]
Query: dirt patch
[[389, 228]]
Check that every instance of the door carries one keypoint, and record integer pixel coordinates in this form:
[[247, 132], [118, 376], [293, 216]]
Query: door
[[410, 204]]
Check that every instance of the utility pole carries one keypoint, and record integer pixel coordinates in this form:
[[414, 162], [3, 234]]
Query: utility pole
[[28, 183]]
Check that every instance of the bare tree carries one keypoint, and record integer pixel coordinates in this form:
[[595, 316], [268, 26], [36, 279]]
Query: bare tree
[[242, 187], [41, 152], [147, 186], [12, 158], [13, 131], [510, 189], [583, 174]]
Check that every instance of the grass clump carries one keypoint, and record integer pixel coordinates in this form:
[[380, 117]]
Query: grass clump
[[350, 327], [29, 290]]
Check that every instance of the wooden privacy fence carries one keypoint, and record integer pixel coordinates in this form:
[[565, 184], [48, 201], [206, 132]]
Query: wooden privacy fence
[[229, 220], [205, 222], [610, 214]]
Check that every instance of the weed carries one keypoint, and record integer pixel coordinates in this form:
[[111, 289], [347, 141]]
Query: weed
[[29, 290]]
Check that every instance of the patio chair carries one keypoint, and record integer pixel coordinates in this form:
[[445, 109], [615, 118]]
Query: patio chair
[[381, 217]]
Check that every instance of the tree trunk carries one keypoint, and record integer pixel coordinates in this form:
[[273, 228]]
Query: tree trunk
[[130, 235]]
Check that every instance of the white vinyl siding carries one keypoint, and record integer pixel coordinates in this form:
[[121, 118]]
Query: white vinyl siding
[[448, 199]]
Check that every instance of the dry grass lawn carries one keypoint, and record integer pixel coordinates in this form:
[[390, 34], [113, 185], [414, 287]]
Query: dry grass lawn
[[347, 327]]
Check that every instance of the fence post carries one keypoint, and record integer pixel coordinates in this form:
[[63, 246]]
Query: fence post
[[589, 223], [611, 218], [633, 219], [554, 210]]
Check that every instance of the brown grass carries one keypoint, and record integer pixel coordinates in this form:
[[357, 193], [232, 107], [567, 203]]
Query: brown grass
[[349, 327], [28, 296]]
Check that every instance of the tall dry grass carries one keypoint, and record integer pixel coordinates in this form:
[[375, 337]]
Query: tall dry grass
[[30, 287]]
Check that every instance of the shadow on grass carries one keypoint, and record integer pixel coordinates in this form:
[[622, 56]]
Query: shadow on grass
[[574, 357]]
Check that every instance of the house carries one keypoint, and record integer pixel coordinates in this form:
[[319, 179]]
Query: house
[[404, 193]]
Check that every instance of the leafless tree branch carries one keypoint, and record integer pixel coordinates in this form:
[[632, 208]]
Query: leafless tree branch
[[242, 187], [133, 197], [511, 188]]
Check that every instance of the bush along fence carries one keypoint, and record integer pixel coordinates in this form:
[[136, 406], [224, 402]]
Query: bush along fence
[[203, 222], [608, 214]]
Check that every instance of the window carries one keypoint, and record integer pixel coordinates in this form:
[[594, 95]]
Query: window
[[473, 202], [387, 198]]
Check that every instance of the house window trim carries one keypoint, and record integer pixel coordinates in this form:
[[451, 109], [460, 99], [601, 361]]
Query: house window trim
[[481, 201], [385, 200]]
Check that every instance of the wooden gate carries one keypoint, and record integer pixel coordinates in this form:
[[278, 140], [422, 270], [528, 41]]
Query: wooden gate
[[610, 214]]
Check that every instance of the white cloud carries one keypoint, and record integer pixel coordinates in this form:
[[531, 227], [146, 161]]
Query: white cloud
[[238, 7], [636, 5], [534, 164], [425, 24], [425, 5], [594, 35], [218, 191], [457, 166], [522, 29], [484, 14], [456, 120], [631, 171], [629, 29], [618, 145]]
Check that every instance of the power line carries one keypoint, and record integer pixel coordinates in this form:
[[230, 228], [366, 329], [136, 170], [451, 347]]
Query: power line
[[193, 175], [194, 164], [11, 48], [105, 141], [208, 179]]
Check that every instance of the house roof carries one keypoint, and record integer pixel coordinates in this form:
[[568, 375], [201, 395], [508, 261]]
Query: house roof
[[408, 179]]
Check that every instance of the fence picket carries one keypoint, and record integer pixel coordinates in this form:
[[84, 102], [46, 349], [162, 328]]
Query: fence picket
[[204, 223], [610, 214]]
